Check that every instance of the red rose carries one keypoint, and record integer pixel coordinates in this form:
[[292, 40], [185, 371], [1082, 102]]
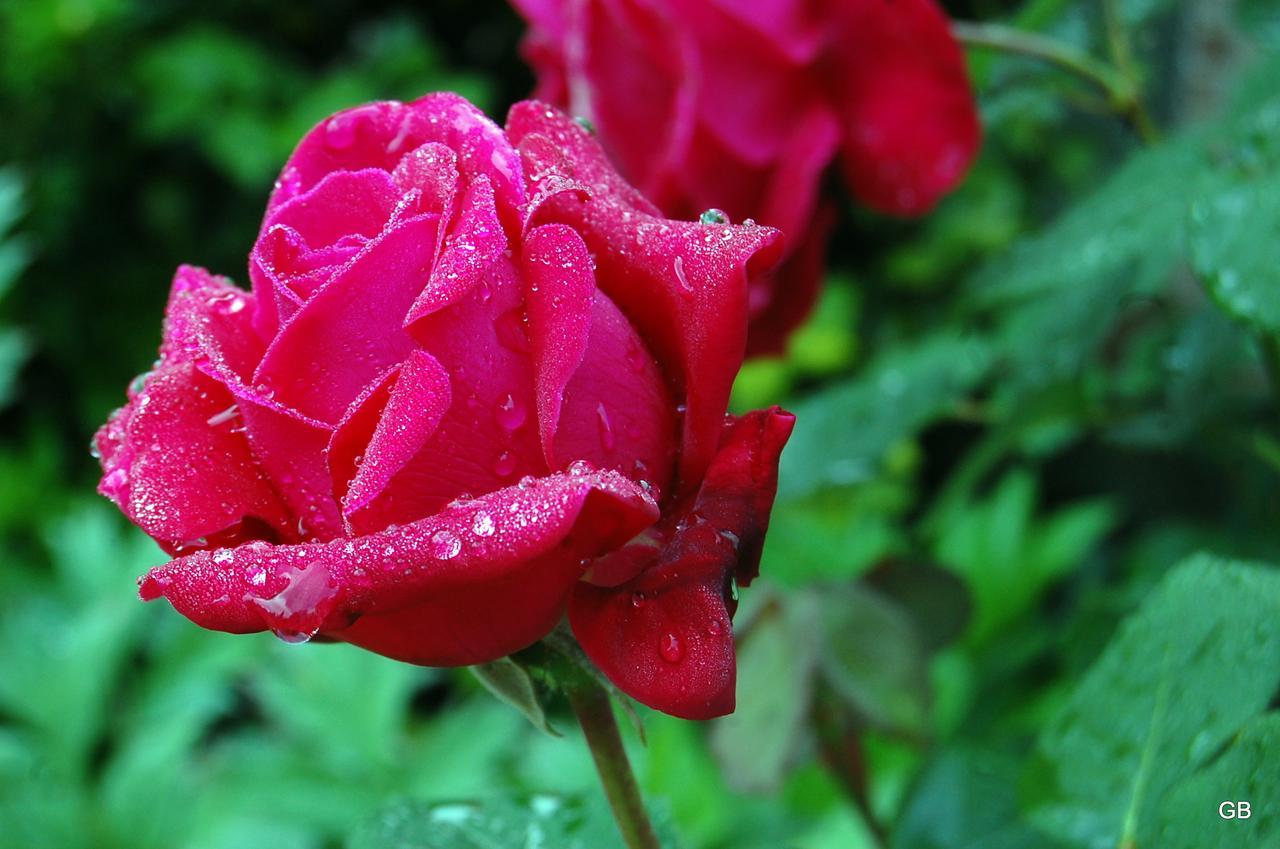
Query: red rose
[[744, 105], [479, 381]]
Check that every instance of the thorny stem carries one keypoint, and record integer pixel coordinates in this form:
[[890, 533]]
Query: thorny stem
[[594, 710], [1116, 81]]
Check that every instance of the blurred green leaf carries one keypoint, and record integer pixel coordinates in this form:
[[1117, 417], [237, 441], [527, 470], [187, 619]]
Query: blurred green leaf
[[758, 742], [1008, 556], [873, 658], [1247, 770], [511, 682], [967, 798], [1183, 678], [1233, 247], [843, 432], [552, 822]]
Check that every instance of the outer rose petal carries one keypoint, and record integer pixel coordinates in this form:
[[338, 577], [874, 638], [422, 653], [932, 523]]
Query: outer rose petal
[[475, 582], [180, 469], [911, 125], [682, 284], [665, 636]]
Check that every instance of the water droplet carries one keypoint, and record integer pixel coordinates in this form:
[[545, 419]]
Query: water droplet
[[223, 417], [505, 464], [670, 649], [686, 288], [139, 383], [510, 414], [585, 123], [482, 526], [731, 538], [714, 628], [578, 468], [291, 637], [638, 599], [340, 132], [635, 359], [445, 545], [94, 451], [714, 216], [607, 439]]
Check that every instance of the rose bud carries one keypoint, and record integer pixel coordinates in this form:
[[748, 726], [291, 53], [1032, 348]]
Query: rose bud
[[479, 383], [744, 106]]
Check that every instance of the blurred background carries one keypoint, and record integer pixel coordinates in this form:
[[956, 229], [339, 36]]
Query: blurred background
[[1018, 415]]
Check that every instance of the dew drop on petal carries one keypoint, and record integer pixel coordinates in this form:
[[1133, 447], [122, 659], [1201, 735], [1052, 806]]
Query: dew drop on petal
[[510, 414], [505, 464], [714, 628], [686, 288], [714, 216], [607, 440], [482, 525], [638, 599], [585, 124], [445, 545], [669, 648], [339, 133]]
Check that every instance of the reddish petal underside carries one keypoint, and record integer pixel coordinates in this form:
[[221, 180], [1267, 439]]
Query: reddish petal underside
[[911, 122], [486, 577], [665, 636]]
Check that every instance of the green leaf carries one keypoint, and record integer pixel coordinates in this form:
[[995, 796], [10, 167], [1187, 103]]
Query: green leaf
[[758, 742], [1008, 555], [1233, 251], [1183, 677], [512, 683], [1247, 771], [967, 799], [539, 822], [843, 433], [872, 656]]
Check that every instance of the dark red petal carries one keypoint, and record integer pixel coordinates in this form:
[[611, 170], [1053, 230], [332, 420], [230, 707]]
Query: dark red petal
[[477, 581], [911, 123], [682, 284], [665, 636]]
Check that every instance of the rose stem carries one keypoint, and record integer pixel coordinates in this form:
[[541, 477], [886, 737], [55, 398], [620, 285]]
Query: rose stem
[[1121, 89], [595, 713]]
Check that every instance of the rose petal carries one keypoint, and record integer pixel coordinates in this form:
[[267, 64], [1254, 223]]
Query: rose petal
[[177, 463], [683, 285], [559, 290], [489, 435], [473, 244], [349, 332], [417, 399], [665, 636], [911, 124], [379, 135], [617, 411], [471, 584]]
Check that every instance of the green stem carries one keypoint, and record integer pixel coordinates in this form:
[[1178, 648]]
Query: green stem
[[594, 710], [1120, 88]]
